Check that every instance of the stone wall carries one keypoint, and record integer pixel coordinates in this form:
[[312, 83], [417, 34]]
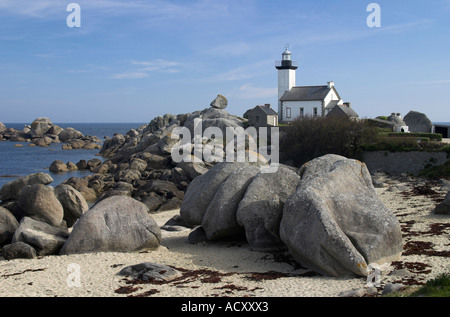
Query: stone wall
[[402, 162]]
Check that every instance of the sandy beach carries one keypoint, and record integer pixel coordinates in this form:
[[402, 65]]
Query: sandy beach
[[231, 268]]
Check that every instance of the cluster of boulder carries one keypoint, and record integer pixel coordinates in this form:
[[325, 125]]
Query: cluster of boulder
[[327, 214], [42, 132], [139, 164], [35, 217]]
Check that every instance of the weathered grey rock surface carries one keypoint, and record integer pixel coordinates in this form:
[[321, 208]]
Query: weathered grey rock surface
[[73, 202], [201, 191], [11, 190], [220, 102], [39, 202], [261, 208], [335, 224], [418, 122], [219, 220], [148, 271], [8, 225], [444, 207], [116, 224], [18, 250], [44, 238]]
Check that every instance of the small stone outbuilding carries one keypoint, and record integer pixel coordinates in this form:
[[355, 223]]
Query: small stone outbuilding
[[262, 116]]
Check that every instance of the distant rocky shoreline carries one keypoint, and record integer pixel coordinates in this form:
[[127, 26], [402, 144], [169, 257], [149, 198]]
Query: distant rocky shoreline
[[42, 132]]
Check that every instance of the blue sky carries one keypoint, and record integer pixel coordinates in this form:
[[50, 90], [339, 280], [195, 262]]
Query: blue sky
[[133, 60]]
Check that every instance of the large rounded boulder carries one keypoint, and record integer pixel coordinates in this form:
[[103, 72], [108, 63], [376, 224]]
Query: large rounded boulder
[[73, 202], [115, 224], [335, 224], [40, 203], [8, 225], [261, 209], [219, 220], [201, 192], [11, 190]]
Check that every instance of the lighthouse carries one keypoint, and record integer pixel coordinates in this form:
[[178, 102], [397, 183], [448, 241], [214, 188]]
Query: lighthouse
[[286, 77]]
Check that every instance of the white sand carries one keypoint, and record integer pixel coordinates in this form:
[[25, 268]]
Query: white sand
[[51, 275]]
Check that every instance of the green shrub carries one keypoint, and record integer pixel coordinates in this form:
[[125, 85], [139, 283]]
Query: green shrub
[[431, 136], [436, 171], [397, 144], [308, 138], [438, 287]]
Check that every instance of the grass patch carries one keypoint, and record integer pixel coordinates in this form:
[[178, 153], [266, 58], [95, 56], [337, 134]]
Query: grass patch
[[438, 287], [438, 171]]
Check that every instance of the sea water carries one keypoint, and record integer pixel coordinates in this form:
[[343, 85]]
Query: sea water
[[21, 161]]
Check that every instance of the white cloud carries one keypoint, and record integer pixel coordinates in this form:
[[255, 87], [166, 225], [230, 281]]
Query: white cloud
[[155, 9], [144, 68], [28, 8], [129, 75], [248, 91], [246, 71]]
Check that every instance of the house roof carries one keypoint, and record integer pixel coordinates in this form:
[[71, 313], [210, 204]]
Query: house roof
[[332, 104], [267, 110], [347, 110], [306, 93]]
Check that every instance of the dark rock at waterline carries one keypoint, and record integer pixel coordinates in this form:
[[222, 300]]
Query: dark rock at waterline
[[11, 190]]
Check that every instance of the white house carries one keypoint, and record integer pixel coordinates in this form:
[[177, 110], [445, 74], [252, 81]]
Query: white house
[[298, 101]]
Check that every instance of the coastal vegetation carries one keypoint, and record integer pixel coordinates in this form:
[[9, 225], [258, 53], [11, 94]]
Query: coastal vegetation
[[308, 138], [437, 287]]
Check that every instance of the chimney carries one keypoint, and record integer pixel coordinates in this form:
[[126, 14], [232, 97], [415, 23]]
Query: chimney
[[330, 84], [347, 104], [267, 105]]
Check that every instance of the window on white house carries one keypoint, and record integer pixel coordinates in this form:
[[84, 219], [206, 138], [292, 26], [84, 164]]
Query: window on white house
[[288, 112], [302, 112], [315, 112]]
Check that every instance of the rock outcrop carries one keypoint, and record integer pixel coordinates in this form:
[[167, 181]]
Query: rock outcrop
[[418, 122], [8, 225], [261, 209], [39, 202], [11, 190], [335, 224], [43, 237], [116, 224], [327, 214], [143, 157], [73, 202], [42, 132]]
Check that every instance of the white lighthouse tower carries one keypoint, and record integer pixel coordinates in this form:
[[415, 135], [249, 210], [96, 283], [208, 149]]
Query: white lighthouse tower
[[286, 77]]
